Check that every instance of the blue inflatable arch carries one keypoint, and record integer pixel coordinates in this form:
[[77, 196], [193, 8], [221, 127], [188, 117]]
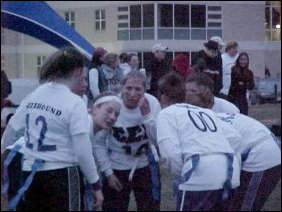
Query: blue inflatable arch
[[39, 20]]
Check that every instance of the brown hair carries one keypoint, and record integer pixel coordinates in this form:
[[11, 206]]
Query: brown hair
[[110, 58], [61, 65], [171, 85], [231, 44], [136, 75], [201, 79], [204, 98]]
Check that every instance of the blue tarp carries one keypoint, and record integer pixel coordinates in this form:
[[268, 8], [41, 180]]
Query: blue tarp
[[39, 20]]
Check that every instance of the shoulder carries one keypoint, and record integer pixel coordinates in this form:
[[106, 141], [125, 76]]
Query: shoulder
[[152, 99], [224, 106]]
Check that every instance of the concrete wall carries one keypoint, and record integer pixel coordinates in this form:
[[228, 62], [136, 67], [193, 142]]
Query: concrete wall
[[248, 28]]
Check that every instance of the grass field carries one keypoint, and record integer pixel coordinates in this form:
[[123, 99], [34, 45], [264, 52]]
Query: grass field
[[267, 114]]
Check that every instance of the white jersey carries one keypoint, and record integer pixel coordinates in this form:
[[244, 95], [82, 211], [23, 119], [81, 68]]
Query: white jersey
[[227, 64], [19, 142], [131, 134], [184, 130], [51, 115], [264, 151], [223, 106]]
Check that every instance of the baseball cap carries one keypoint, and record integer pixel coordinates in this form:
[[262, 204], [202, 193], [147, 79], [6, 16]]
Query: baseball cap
[[159, 47], [218, 40]]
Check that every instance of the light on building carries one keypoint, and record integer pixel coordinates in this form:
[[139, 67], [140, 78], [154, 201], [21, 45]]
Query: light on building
[[277, 26]]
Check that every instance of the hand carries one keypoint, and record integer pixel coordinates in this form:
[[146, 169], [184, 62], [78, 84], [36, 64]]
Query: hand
[[144, 106], [99, 198], [241, 83], [114, 182]]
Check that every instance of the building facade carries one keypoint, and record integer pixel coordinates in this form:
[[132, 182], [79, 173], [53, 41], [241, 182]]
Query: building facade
[[135, 26]]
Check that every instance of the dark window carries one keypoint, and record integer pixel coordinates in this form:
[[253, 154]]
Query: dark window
[[214, 16], [198, 16], [148, 15], [213, 24], [165, 15], [122, 9], [135, 16], [122, 25], [181, 13], [214, 8], [122, 17]]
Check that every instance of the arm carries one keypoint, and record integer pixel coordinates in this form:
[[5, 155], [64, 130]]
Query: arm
[[150, 113], [100, 152], [249, 84], [169, 144], [93, 82]]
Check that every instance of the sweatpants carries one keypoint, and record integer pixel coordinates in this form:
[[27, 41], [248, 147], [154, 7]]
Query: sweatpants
[[15, 179], [198, 200], [254, 190], [142, 187], [55, 190]]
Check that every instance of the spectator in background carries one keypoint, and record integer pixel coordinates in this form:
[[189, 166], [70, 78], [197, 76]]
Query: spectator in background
[[124, 66], [6, 90], [242, 79], [228, 61], [110, 75], [267, 72], [181, 66], [221, 44], [96, 63], [212, 64], [157, 67], [133, 62]]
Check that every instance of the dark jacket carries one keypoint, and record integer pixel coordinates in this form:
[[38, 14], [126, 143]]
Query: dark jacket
[[156, 69], [237, 91], [213, 67]]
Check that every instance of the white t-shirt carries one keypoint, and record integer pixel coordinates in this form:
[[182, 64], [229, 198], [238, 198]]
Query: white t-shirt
[[227, 63], [131, 132], [223, 106], [93, 82], [184, 130], [51, 115], [265, 153]]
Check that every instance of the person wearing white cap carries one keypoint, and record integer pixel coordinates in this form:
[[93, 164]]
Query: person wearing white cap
[[219, 41], [157, 67]]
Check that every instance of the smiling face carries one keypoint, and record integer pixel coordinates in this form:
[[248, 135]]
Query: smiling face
[[134, 62], [132, 91], [106, 114], [243, 61]]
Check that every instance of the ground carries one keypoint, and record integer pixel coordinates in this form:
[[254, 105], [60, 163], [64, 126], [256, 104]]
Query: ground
[[267, 114]]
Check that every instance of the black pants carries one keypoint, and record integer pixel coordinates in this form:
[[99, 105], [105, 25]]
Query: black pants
[[253, 191], [15, 179], [55, 190], [141, 186]]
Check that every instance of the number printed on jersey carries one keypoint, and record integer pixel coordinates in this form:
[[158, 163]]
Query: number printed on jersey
[[41, 127], [202, 121]]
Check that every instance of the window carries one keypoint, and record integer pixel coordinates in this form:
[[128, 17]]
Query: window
[[273, 21], [100, 20], [70, 18], [39, 63], [136, 22], [181, 22], [165, 30]]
